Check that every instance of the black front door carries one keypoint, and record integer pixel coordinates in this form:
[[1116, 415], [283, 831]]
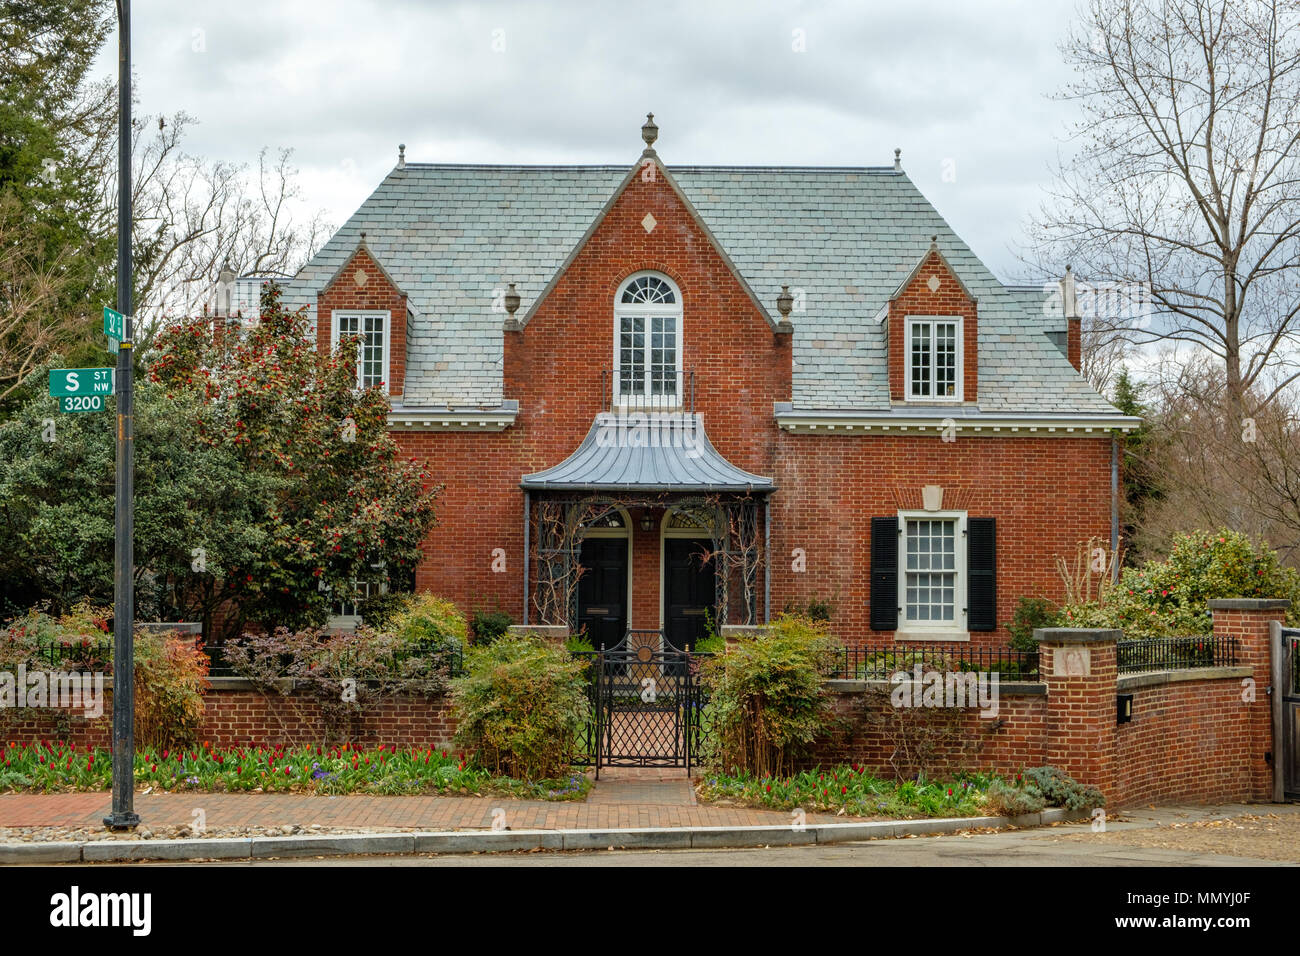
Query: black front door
[[602, 590], [689, 591]]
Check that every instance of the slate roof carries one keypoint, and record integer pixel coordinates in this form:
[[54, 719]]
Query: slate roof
[[453, 235], [670, 453]]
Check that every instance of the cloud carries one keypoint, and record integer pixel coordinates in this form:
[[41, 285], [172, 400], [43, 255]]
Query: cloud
[[959, 85]]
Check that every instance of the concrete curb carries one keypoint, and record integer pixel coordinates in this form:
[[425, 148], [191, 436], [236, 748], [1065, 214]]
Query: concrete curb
[[503, 841]]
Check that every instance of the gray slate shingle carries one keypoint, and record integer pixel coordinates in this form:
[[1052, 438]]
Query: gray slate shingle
[[453, 235]]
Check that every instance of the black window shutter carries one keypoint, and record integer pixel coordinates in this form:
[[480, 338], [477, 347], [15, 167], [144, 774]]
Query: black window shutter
[[884, 573], [981, 569]]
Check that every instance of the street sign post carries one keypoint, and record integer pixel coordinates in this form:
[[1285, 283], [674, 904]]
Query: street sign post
[[123, 815], [114, 328], [65, 382]]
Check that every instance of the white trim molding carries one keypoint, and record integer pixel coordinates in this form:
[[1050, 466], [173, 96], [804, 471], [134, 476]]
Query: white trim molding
[[955, 629], [961, 420], [959, 335], [453, 419], [387, 316]]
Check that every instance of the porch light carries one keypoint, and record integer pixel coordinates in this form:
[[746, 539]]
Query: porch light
[[647, 520]]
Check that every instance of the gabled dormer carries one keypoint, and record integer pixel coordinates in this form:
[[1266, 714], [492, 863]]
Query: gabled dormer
[[932, 326], [362, 299]]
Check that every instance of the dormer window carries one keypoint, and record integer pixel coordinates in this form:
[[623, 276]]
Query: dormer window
[[933, 354], [647, 342], [371, 330]]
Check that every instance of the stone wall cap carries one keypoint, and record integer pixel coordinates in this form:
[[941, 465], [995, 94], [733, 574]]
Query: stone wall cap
[[1077, 635], [1249, 604]]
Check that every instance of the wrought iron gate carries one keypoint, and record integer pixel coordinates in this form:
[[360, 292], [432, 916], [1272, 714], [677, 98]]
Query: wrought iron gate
[[1291, 713], [647, 704]]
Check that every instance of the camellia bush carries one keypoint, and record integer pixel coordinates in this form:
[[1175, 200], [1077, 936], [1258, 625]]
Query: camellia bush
[[1169, 598], [520, 706], [766, 697], [341, 500]]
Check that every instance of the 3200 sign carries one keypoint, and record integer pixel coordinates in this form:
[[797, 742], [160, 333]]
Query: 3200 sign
[[81, 403]]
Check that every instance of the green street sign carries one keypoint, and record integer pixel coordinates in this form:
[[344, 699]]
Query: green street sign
[[82, 403], [81, 381], [114, 328]]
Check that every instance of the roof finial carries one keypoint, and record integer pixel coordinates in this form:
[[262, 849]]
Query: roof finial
[[401, 155], [934, 243], [784, 303], [649, 131], [898, 160]]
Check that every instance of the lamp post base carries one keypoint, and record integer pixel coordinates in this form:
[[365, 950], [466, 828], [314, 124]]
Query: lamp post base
[[122, 821]]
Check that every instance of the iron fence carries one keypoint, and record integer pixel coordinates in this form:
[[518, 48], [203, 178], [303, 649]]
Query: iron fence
[[92, 655], [881, 662], [647, 390], [1176, 653]]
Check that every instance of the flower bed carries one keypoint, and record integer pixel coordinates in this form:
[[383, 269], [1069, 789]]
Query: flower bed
[[855, 792], [53, 766]]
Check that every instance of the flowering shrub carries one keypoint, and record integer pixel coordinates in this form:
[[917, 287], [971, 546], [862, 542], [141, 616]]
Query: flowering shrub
[[854, 791], [766, 699], [520, 706], [851, 789], [56, 766], [1167, 598], [430, 621]]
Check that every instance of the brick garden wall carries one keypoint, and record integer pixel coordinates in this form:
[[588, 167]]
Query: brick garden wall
[[1189, 740], [1192, 738], [238, 717], [1007, 743]]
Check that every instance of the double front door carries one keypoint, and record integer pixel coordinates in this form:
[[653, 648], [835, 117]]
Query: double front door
[[690, 591]]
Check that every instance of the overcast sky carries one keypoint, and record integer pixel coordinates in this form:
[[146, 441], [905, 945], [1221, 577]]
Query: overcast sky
[[962, 87]]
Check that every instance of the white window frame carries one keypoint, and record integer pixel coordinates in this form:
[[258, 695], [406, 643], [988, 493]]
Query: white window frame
[[909, 324], [955, 630], [649, 311], [387, 316], [349, 622]]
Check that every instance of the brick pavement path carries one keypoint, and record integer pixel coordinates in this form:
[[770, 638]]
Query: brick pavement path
[[624, 801]]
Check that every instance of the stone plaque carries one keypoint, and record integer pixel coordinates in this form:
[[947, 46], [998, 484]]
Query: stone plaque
[[1072, 662]]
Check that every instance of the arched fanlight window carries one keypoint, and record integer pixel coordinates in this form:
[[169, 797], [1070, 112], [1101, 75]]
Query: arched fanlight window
[[685, 520], [648, 289], [647, 341]]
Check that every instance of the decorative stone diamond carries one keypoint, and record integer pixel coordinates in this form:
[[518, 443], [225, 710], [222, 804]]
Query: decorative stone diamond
[[360, 277], [933, 283], [649, 222]]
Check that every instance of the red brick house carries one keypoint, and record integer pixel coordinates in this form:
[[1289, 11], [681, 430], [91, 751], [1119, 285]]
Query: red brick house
[[654, 394]]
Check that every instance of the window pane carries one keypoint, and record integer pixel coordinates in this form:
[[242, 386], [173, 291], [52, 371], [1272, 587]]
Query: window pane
[[631, 355], [945, 359], [930, 578], [921, 361]]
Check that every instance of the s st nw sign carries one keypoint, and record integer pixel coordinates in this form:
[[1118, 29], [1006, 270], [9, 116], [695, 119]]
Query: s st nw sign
[[66, 382]]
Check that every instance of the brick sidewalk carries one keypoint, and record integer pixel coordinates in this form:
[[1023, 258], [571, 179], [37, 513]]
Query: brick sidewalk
[[612, 804]]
